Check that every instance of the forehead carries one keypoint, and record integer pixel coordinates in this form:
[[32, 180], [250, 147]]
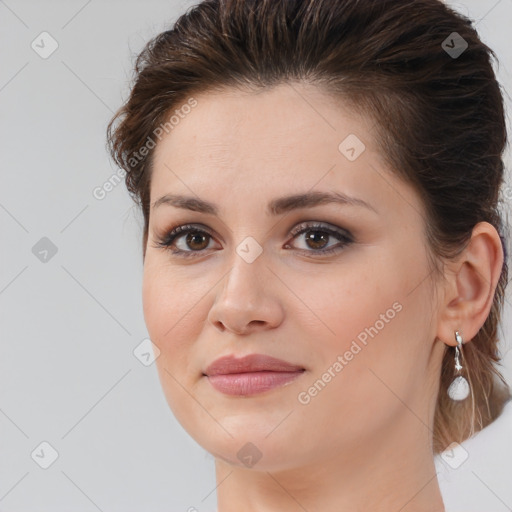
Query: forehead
[[261, 132], [240, 146]]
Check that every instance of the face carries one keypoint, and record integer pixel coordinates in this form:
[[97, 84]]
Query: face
[[337, 289]]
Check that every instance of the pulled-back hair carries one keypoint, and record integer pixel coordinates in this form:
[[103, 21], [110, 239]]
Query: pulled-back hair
[[438, 113]]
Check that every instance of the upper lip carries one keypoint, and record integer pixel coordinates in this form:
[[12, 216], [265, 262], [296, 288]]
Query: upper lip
[[250, 363]]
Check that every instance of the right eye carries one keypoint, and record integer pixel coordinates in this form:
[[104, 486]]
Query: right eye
[[195, 238]]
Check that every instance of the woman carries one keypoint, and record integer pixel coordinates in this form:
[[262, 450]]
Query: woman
[[324, 257]]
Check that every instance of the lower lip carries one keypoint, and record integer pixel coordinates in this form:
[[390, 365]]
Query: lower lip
[[251, 383]]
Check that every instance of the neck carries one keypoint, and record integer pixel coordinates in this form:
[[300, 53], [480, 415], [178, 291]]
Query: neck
[[391, 473]]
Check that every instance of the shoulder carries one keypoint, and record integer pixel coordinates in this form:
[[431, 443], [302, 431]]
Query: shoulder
[[475, 475]]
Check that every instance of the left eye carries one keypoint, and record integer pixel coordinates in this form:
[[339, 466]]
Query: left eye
[[318, 234], [198, 239]]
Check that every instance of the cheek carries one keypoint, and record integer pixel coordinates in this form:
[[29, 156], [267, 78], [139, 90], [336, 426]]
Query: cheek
[[155, 296], [166, 299], [165, 307], [347, 303], [169, 316], [175, 307], [369, 317]]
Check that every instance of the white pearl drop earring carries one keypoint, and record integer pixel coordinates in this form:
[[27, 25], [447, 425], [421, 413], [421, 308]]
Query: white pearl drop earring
[[459, 388]]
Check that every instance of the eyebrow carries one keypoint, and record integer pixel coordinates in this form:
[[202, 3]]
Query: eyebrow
[[277, 206]]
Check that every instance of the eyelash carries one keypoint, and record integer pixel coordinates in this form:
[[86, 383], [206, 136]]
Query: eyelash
[[168, 239]]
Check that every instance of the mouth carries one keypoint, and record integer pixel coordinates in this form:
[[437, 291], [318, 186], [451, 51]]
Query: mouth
[[251, 383], [250, 375]]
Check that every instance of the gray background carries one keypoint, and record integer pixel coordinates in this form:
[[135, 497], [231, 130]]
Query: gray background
[[70, 324]]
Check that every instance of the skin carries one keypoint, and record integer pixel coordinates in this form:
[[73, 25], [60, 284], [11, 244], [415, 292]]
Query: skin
[[364, 441]]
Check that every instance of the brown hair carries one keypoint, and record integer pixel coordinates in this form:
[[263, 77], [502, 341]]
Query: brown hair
[[439, 116]]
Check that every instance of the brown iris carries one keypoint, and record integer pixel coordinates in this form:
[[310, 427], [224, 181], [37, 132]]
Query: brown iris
[[323, 237], [195, 236]]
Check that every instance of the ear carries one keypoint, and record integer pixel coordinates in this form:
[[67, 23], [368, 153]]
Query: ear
[[471, 281]]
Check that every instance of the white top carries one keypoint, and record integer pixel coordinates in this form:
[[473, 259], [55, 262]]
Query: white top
[[476, 475]]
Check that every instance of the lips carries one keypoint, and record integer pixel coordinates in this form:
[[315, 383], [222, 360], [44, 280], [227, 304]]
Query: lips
[[251, 374], [251, 363]]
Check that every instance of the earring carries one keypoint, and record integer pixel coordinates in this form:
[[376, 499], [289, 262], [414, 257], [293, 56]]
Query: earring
[[459, 388]]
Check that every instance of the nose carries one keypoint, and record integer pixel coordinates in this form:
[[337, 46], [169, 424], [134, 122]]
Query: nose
[[246, 300]]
